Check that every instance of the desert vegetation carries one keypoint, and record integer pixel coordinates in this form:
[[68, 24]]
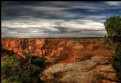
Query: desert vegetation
[[13, 69], [113, 27]]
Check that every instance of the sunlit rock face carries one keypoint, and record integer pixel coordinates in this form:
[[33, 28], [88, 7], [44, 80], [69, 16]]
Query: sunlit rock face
[[68, 50], [24, 46], [97, 69]]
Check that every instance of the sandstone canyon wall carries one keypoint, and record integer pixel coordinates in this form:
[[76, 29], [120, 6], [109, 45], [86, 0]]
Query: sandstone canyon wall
[[56, 47]]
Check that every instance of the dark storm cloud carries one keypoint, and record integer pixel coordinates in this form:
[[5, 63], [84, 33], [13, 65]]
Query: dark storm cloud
[[55, 9], [42, 18]]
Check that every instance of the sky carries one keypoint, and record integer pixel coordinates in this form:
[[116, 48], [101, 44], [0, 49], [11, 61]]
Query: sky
[[56, 19]]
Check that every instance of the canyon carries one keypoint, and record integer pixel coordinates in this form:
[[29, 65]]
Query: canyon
[[65, 49], [86, 60]]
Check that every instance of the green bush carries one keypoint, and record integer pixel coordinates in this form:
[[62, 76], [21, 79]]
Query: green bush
[[14, 69], [116, 60], [107, 43], [113, 28], [117, 63]]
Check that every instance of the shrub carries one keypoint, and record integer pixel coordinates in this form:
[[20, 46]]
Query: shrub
[[14, 69], [113, 28], [108, 44], [117, 63]]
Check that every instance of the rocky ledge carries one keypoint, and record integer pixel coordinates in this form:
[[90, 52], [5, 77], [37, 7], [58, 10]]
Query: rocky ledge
[[95, 70]]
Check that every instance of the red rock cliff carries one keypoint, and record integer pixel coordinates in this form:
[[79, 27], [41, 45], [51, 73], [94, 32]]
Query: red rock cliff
[[55, 47]]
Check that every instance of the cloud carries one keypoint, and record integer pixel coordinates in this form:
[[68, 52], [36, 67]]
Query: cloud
[[113, 3], [56, 18], [41, 27], [56, 9], [46, 23], [95, 17]]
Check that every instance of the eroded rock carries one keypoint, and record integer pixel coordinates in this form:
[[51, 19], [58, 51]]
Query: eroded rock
[[89, 71]]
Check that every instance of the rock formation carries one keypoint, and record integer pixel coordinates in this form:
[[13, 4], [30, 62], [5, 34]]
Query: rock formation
[[69, 60], [63, 49], [95, 70]]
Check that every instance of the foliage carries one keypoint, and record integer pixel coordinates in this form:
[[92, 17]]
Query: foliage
[[113, 28], [108, 44], [117, 61], [14, 69], [39, 61]]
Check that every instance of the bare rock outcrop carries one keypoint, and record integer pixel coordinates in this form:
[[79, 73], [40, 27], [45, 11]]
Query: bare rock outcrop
[[95, 70]]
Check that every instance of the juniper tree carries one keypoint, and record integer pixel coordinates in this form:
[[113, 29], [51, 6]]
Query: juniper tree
[[113, 28]]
